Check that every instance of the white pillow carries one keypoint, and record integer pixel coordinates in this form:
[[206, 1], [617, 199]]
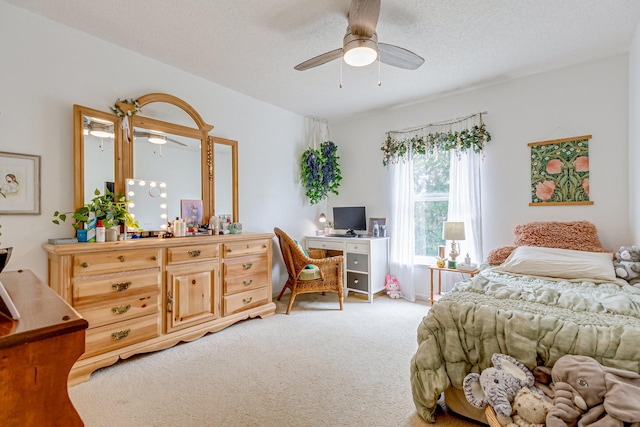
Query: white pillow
[[563, 264]]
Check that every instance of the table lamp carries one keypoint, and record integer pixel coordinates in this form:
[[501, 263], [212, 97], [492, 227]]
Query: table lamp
[[453, 231]]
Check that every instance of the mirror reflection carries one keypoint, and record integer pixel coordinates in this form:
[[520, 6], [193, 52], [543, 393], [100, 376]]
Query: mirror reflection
[[169, 158], [224, 179], [148, 203]]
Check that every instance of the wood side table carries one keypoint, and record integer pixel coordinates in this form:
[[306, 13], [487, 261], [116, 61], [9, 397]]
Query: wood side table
[[433, 268]]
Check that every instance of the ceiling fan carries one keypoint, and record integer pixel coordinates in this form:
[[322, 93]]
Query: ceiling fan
[[104, 129], [360, 45], [156, 137]]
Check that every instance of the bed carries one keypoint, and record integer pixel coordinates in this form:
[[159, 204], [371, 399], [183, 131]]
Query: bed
[[538, 304]]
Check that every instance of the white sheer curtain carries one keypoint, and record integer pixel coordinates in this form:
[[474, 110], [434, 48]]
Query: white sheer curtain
[[402, 228], [464, 201], [464, 205]]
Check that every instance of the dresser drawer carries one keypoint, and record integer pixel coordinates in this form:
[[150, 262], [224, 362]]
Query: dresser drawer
[[115, 261], [358, 262], [358, 247], [245, 272], [245, 300], [254, 247], [115, 310], [325, 244], [192, 253], [111, 337], [89, 289]]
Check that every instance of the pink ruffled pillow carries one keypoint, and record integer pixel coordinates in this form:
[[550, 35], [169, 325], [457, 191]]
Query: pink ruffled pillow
[[574, 235]]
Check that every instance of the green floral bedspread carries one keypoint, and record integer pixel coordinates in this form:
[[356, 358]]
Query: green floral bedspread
[[532, 319]]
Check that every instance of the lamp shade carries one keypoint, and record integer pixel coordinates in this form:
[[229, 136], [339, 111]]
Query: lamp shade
[[453, 231], [322, 218]]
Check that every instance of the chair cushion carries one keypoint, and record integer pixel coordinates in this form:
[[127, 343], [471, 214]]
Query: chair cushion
[[310, 272], [304, 251]]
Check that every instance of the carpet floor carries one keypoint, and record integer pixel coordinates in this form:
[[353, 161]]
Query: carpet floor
[[316, 367]]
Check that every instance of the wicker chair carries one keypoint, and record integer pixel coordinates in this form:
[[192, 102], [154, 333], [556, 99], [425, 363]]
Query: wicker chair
[[326, 276]]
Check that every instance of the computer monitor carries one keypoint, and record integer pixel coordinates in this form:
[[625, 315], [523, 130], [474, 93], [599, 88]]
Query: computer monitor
[[350, 218]]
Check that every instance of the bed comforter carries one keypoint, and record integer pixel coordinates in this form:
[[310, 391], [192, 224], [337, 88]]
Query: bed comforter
[[532, 319]]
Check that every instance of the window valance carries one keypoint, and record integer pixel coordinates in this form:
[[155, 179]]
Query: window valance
[[461, 134]]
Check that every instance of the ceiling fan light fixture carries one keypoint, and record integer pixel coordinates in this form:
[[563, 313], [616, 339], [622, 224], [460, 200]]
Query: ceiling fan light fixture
[[100, 130], [157, 139], [359, 51]]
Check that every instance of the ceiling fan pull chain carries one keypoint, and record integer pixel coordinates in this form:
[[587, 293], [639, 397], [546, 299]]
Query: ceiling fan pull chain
[[379, 72], [341, 74]]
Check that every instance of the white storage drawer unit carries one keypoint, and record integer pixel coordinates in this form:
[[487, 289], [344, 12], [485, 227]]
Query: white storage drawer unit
[[366, 261]]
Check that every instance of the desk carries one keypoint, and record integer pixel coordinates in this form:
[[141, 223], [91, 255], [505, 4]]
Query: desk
[[366, 261], [36, 354], [433, 268]]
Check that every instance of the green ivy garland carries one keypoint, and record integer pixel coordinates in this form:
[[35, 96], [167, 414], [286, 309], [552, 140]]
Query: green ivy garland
[[475, 138], [320, 172]]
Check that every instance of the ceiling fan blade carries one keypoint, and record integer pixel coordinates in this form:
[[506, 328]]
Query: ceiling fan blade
[[319, 60], [399, 57], [177, 142], [363, 17]]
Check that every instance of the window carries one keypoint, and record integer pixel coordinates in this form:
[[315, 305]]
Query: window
[[431, 202]]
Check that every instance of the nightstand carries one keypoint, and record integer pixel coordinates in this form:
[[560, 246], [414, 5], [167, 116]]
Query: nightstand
[[433, 268]]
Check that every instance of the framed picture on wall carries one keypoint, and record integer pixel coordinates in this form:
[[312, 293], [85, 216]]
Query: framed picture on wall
[[382, 227], [19, 184]]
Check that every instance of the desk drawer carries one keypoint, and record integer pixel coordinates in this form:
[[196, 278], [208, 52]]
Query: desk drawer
[[325, 244], [358, 262], [362, 247], [358, 281], [91, 289], [192, 253], [245, 300], [121, 334], [253, 247], [115, 261]]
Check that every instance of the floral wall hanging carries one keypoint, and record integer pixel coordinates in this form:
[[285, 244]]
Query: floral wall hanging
[[461, 134], [321, 172], [560, 172]]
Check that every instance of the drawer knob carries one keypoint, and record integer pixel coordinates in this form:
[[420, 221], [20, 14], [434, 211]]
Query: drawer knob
[[122, 258], [247, 300], [120, 287], [121, 309], [247, 282], [194, 253], [247, 265], [154, 258], [121, 334], [355, 281], [85, 264], [355, 262]]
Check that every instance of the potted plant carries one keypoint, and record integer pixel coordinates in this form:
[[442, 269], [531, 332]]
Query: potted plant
[[109, 207]]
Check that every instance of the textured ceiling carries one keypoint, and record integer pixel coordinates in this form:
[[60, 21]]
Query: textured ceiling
[[251, 46]]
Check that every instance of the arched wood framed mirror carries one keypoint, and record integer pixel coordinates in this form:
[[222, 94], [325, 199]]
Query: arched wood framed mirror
[[167, 141]]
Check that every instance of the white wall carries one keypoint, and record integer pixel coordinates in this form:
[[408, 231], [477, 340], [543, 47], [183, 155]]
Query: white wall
[[590, 98], [47, 67], [634, 136]]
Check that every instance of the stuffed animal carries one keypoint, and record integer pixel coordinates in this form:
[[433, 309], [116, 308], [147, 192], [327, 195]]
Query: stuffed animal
[[627, 264], [530, 409], [592, 393], [392, 286], [498, 385]]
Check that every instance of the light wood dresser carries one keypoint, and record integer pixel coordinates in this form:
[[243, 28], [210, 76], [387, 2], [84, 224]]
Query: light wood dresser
[[36, 354], [149, 294]]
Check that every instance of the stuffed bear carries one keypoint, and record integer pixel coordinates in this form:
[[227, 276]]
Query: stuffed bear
[[627, 264], [530, 409], [392, 286], [498, 385]]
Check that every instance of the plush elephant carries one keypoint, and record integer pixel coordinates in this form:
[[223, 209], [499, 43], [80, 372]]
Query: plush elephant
[[589, 394], [498, 385]]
